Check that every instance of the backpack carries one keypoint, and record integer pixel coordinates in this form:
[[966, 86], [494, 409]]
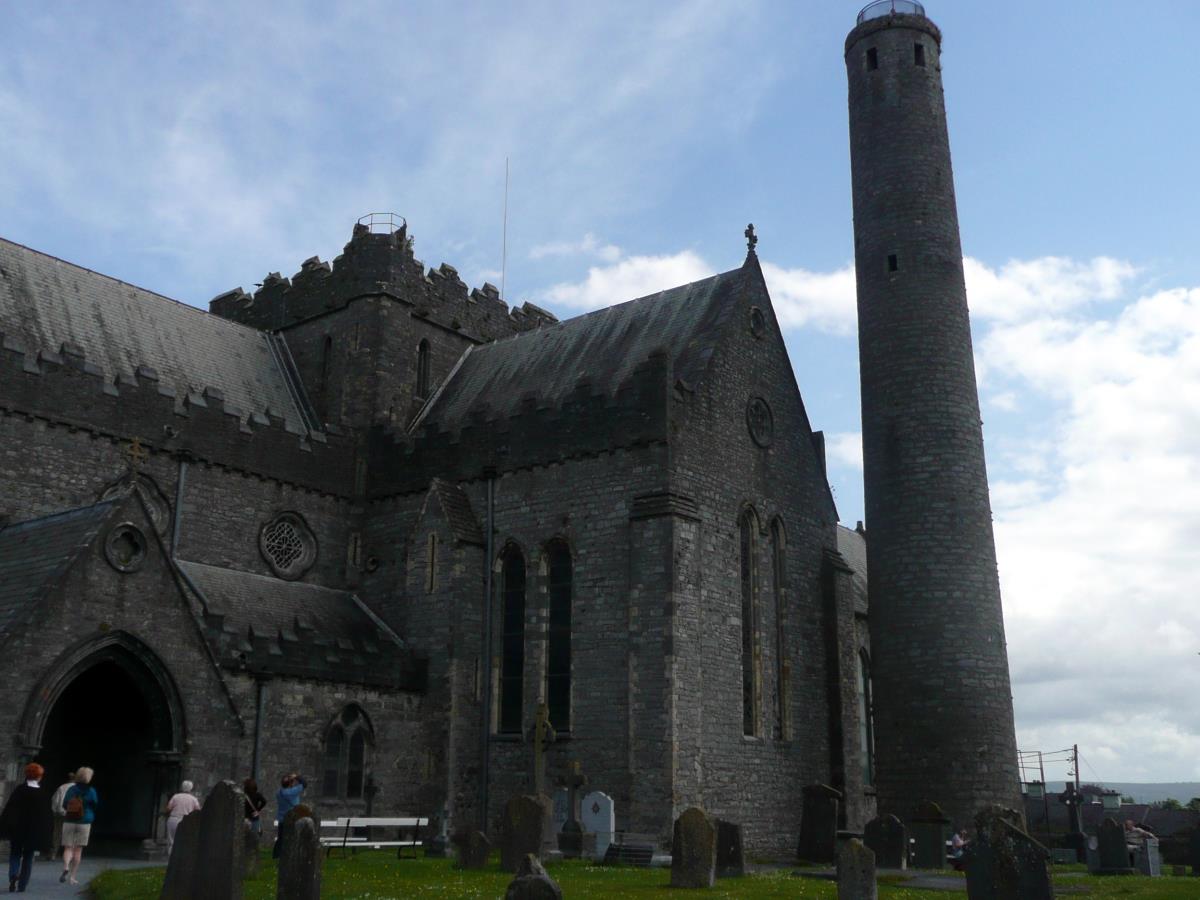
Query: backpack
[[74, 807]]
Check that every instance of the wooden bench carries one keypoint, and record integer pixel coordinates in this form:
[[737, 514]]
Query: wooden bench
[[340, 833]]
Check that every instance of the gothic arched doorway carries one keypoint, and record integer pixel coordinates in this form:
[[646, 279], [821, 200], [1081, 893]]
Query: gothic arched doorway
[[110, 704]]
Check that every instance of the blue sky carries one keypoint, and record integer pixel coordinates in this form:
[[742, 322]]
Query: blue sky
[[194, 147]]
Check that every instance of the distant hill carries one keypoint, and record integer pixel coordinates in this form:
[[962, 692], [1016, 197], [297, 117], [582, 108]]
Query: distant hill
[[1183, 791]]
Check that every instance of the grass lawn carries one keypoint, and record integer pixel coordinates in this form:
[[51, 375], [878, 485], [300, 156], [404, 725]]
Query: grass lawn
[[376, 875]]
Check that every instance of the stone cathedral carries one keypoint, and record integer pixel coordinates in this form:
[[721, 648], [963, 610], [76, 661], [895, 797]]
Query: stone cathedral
[[366, 523]]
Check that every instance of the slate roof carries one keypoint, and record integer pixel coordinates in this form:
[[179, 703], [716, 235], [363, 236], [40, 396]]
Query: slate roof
[[264, 624], [457, 508], [603, 347], [33, 554], [46, 302], [853, 548]]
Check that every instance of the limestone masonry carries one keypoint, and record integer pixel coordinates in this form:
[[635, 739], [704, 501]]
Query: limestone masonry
[[366, 523]]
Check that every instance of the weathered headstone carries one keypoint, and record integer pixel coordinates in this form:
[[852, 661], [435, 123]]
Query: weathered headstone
[[887, 838], [300, 863], [856, 871], [1113, 853], [1193, 850], [1148, 860], [731, 858], [181, 866], [598, 817], [819, 824], [473, 849], [929, 828], [694, 850], [532, 882], [1005, 863], [207, 861], [570, 833], [522, 829]]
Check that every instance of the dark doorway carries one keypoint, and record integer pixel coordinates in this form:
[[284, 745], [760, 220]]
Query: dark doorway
[[113, 719]]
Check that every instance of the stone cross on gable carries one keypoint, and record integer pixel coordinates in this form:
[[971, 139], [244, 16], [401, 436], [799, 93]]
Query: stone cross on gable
[[541, 735], [137, 454]]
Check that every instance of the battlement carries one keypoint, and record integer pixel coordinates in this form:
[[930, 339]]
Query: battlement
[[64, 388], [375, 263]]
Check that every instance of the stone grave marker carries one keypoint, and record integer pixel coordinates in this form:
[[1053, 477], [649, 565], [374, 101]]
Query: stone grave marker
[[1193, 850], [570, 833], [300, 863], [930, 828], [819, 824], [532, 882], [855, 871], [694, 850], [1003, 862], [599, 817], [473, 849], [1113, 854], [540, 736], [522, 829], [561, 809], [208, 861], [1148, 860], [887, 838], [731, 858]]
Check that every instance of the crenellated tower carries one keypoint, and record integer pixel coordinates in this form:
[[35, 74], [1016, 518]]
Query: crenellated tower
[[943, 702]]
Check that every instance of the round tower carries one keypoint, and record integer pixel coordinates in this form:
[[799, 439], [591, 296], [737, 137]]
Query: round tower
[[942, 700]]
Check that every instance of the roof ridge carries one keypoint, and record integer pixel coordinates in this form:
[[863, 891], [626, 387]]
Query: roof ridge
[[264, 577], [108, 501], [130, 284]]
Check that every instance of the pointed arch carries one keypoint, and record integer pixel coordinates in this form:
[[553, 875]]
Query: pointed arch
[[748, 529], [422, 390], [559, 590], [345, 755], [512, 638]]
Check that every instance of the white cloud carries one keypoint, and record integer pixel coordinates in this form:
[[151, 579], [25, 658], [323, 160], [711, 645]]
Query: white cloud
[[845, 448], [635, 276], [1048, 285], [588, 245], [824, 300]]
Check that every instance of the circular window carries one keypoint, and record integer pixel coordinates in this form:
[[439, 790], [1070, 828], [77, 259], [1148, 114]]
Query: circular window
[[288, 545], [125, 547], [760, 421], [758, 322]]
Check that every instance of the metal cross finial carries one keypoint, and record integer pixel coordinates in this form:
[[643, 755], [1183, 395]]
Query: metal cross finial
[[751, 238]]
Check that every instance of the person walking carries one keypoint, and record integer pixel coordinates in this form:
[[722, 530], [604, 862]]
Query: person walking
[[56, 807], [178, 806], [27, 824], [255, 802], [287, 798], [79, 812]]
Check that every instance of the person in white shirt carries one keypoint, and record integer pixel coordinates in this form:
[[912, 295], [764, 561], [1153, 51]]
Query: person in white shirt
[[178, 806]]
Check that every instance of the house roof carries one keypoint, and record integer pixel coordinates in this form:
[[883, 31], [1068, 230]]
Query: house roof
[[601, 349], [34, 553], [456, 506], [852, 545], [264, 624], [46, 303]]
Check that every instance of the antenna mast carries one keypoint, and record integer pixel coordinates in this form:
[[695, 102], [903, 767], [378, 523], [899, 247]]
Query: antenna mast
[[504, 233]]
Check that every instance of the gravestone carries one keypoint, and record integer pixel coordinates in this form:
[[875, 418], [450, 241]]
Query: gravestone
[[473, 849], [731, 858], [570, 833], [532, 882], [522, 829], [887, 838], [629, 849], [561, 809], [300, 863], [856, 871], [541, 735], [599, 817], [819, 824], [1113, 853], [929, 828], [1148, 860], [206, 863], [1005, 863], [1193, 850], [693, 850], [181, 865]]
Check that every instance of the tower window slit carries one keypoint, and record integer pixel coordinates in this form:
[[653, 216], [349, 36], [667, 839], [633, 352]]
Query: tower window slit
[[919, 54], [893, 263], [872, 59]]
